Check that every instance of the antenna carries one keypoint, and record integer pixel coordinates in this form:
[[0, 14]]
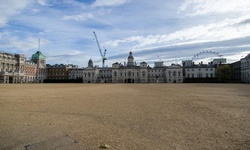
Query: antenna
[[39, 45]]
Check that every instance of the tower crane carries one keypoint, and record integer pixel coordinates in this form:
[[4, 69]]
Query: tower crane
[[102, 54]]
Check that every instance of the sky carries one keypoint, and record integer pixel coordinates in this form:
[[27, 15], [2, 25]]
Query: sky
[[154, 30]]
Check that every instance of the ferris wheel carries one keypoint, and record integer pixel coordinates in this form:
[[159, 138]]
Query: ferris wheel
[[204, 53]]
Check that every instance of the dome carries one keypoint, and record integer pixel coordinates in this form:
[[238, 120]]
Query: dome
[[38, 55], [90, 63], [130, 55]]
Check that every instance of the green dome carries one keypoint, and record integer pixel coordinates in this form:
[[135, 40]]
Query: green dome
[[38, 55]]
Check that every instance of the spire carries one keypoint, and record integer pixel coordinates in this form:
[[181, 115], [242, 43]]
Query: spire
[[39, 45]]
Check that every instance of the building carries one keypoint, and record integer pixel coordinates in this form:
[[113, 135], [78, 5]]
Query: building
[[236, 68], [174, 74], [40, 61], [12, 68], [130, 72], [90, 73], [157, 74], [200, 71], [218, 61], [58, 71], [30, 72], [105, 75], [75, 72], [245, 69]]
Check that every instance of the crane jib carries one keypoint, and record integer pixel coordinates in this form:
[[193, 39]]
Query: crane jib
[[100, 50]]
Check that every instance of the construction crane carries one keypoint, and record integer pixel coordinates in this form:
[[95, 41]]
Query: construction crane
[[102, 54]]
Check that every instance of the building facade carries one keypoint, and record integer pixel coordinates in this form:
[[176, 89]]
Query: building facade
[[245, 69], [39, 59], [236, 68], [200, 72], [59, 71], [30, 72], [12, 68], [75, 73]]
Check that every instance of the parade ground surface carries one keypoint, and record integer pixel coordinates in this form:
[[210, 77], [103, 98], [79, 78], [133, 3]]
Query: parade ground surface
[[125, 116]]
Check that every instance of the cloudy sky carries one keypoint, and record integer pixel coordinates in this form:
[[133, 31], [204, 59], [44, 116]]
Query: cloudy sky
[[154, 30]]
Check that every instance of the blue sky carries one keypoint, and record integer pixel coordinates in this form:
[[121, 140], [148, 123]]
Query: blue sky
[[167, 30]]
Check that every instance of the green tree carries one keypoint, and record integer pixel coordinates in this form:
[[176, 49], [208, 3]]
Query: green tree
[[224, 73]]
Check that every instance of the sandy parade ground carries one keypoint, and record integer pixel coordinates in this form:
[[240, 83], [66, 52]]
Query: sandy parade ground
[[125, 116]]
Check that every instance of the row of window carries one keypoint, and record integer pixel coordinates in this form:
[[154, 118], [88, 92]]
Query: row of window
[[245, 75], [245, 64], [200, 69], [56, 73], [200, 75], [58, 69]]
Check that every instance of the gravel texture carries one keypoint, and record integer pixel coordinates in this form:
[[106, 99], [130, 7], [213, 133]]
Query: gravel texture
[[127, 116]]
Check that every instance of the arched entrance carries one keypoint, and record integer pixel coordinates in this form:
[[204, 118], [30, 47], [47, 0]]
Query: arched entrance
[[129, 80]]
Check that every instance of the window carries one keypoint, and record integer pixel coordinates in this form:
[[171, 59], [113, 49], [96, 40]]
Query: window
[[174, 73], [192, 75], [129, 73], [179, 73], [115, 73], [143, 73], [211, 75]]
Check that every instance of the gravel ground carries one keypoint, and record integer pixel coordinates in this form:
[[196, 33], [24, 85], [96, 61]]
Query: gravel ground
[[127, 116]]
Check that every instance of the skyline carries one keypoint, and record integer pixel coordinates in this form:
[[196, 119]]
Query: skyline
[[170, 31]]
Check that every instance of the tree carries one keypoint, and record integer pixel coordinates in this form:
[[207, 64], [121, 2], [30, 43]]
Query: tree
[[224, 73]]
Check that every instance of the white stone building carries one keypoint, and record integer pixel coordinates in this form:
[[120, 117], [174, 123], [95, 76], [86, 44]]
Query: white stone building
[[157, 74], [191, 70], [90, 73], [11, 68], [200, 71], [105, 75], [245, 69], [130, 72], [75, 72], [174, 74]]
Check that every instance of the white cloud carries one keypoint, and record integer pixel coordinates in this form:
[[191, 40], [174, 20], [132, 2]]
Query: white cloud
[[223, 30], [100, 3], [42, 2], [11, 7], [9, 42], [80, 17], [201, 7]]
